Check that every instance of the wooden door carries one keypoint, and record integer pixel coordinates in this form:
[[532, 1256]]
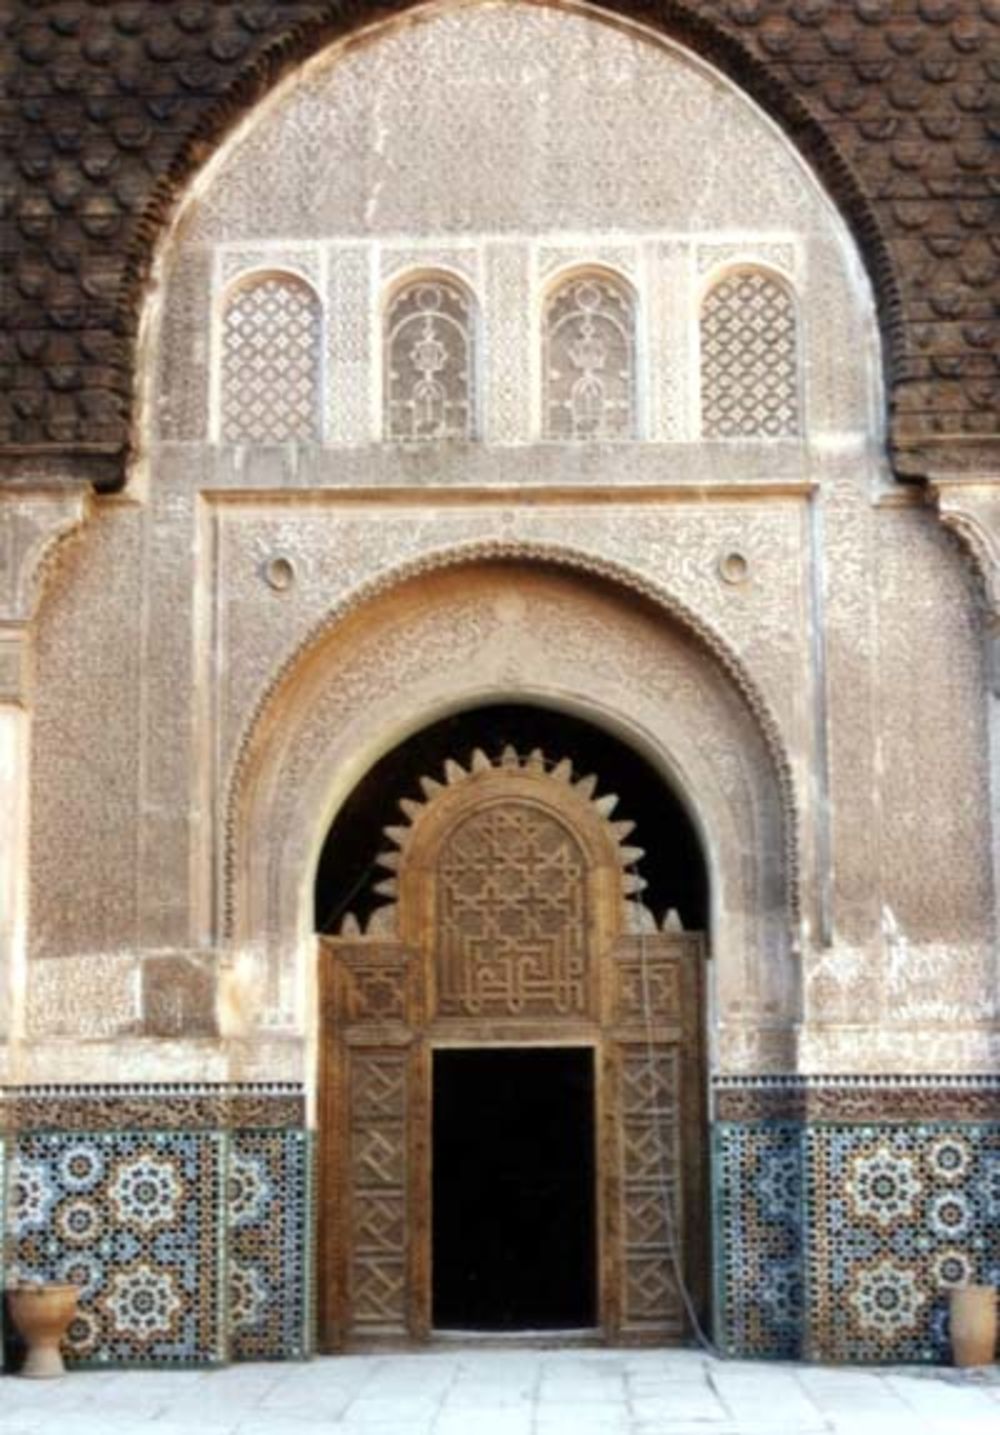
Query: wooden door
[[509, 923]]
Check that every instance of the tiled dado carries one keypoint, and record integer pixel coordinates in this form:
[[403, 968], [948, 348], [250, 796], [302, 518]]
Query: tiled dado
[[846, 1209], [182, 1212]]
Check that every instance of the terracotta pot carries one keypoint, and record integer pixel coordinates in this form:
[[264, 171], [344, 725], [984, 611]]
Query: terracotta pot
[[973, 1323], [42, 1314]]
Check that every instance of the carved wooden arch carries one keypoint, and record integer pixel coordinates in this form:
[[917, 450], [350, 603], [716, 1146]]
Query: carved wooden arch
[[512, 923]]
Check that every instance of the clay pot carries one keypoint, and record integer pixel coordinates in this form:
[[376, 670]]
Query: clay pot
[[973, 1324], [42, 1314]]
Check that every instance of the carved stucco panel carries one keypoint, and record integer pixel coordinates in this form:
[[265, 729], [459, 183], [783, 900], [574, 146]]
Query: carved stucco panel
[[168, 697], [85, 755], [899, 1049], [455, 102], [183, 359], [510, 373], [667, 374], [304, 260], [936, 862], [847, 558], [397, 260], [763, 614], [33, 525], [350, 396], [842, 390], [91, 996]]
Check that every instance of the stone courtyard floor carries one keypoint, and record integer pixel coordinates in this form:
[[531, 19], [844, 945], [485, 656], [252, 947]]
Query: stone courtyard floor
[[509, 1392]]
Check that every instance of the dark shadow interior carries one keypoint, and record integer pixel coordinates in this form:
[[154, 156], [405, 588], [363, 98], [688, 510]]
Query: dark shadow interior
[[673, 866], [514, 1243]]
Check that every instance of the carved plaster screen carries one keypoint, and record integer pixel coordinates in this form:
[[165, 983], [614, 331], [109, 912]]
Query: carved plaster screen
[[749, 358], [588, 361], [429, 386], [513, 922], [271, 361]]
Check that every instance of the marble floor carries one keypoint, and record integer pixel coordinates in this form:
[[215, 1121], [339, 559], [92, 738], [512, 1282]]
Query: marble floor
[[469, 1391]]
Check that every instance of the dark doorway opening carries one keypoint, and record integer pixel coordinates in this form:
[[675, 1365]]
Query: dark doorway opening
[[514, 1243]]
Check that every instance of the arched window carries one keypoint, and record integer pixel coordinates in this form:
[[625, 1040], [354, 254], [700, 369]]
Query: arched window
[[429, 389], [271, 361], [749, 358], [588, 359]]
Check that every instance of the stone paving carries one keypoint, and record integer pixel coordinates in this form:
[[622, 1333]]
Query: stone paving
[[509, 1392]]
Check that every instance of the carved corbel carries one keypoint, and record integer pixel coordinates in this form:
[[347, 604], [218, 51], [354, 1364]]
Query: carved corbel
[[970, 508], [33, 522]]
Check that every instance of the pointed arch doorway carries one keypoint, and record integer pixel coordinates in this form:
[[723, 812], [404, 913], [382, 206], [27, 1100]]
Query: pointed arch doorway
[[511, 1049]]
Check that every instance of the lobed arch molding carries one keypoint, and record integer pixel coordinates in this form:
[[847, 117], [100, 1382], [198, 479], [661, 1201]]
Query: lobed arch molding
[[542, 627]]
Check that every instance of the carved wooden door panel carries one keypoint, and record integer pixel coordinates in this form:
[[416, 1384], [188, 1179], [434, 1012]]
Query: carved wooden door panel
[[655, 1149], [509, 925], [510, 935]]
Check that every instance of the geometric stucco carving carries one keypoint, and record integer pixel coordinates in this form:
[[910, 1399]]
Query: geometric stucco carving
[[582, 274]]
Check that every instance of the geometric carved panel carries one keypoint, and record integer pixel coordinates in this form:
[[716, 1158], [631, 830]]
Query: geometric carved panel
[[652, 1184], [511, 933], [376, 979], [646, 985], [378, 1169], [749, 363], [270, 362]]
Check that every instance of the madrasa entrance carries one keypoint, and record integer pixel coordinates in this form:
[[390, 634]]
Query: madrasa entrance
[[511, 907]]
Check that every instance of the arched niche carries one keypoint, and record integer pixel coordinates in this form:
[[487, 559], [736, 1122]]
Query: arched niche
[[476, 631], [451, 92]]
